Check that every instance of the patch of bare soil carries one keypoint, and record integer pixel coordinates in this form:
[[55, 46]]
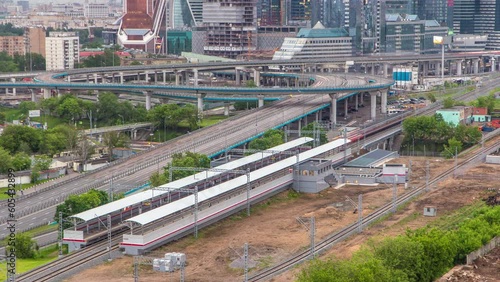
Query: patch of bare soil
[[273, 232], [484, 269]]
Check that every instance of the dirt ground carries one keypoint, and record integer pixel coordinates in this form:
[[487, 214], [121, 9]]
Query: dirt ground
[[273, 232], [484, 269]]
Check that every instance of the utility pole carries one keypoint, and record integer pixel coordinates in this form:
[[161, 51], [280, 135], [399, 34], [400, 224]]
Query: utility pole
[[248, 191], [245, 256], [60, 234], [313, 231], [360, 213], [345, 144], [196, 211], [395, 193], [427, 176], [409, 170], [456, 157], [109, 237]]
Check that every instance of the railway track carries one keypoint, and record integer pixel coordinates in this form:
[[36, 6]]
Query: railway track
[[58, 267], [353, 228]]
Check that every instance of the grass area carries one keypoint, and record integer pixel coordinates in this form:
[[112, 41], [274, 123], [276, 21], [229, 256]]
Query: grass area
[[450, 220], [160, 135], [265, 262], [42, 230], [10, 114], [211, 120], [443, 94], [24, 265]]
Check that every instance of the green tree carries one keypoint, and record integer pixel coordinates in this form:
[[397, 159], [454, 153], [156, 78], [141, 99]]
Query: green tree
[[156, 179], [321, 132], [14, 136], [42, 162], [26, 247], [6, 162], [2, 117], [69, 108], [485, 102], [363, 267], [8, 29], [240, 106], [50, 105], [37, 62], [8, 64], [80, 203], [26, 106], [114, 139], [170, 115], [84, 148], [188, 159], [454, 147], [403, 254], [108, 108], [448, 103], [439, 251], [269, 139], [250, 84], [57, 139], [21, 161]]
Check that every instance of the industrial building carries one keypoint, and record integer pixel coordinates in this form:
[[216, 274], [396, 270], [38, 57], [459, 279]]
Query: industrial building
[[457, 115]]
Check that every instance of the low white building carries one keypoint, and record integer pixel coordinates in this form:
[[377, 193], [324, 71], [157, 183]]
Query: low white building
[[316, 43], [96, 10]]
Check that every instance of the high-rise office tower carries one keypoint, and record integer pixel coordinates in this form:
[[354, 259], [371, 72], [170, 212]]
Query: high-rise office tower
[[398, 6], [317, 11], [269, 12], [336, 13], [439, 10], [463, 16]]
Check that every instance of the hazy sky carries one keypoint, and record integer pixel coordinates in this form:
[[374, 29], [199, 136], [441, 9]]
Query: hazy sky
[[34, 2]]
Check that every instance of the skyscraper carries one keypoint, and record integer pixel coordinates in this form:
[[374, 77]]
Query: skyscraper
[[439, 10], [269, 12]]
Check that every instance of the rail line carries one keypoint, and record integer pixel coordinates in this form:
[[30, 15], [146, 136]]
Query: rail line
[[328, 242], [53, 269], [59, 266]]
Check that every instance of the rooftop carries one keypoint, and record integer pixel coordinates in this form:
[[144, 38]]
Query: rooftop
[[369, 159], [319, 31]]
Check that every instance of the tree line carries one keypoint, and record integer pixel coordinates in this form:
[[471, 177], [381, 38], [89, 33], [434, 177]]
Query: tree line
[[422, 255], [435, 129], [18, 63], [187, 159]]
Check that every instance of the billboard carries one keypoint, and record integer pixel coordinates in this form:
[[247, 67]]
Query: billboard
[[437, 40], [34, 113]]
